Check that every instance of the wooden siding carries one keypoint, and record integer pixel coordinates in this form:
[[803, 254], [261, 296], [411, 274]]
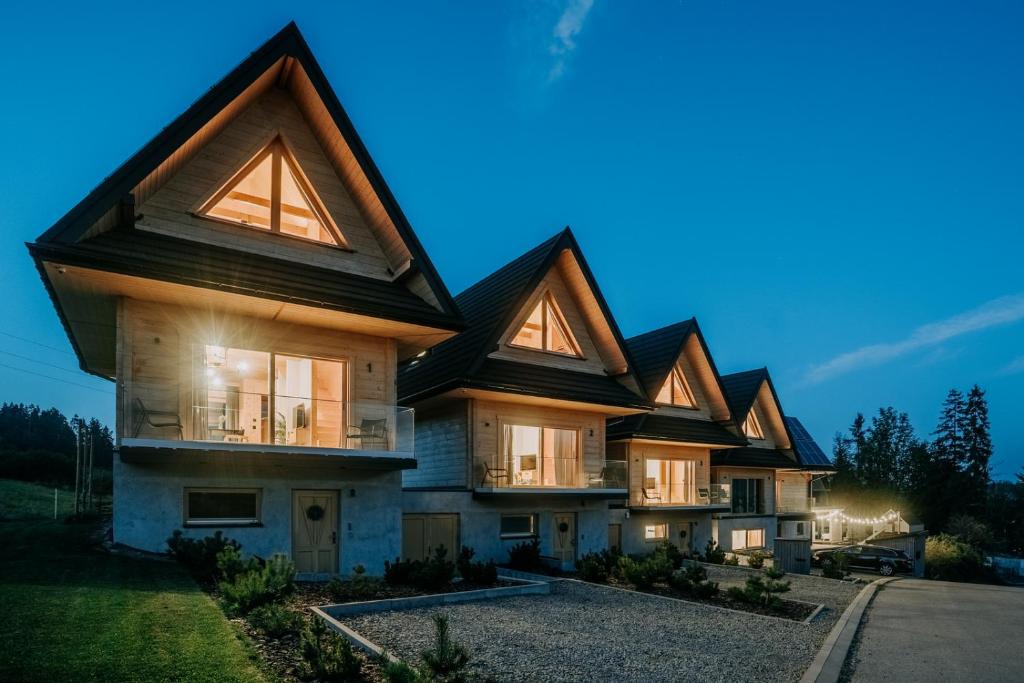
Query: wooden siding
[[169, 209], [697, 386], [567, 302], [442, 446], [793, 492], [489, 416], [155, 345], [713, 400], [771, 421], [600, 328], [638, 453]]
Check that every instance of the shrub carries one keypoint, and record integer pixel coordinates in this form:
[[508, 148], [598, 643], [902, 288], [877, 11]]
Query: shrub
[[326, 656], [525, 556], [948, 558], [400, 672], [430, 575], [446, 660], [478, 573], [671, 553], [835, 566], [642, 573], [762, 591], [731, 561], [713, 554], [269, 583], [704, 589], [756, 559], [230, 563], [591, 567], [199, 556], [275, 620], [358, 587], [693, 579]]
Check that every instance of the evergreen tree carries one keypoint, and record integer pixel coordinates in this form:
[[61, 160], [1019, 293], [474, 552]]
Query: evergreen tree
[[845, 478], [949, 435], [977, 445], [858, 438]]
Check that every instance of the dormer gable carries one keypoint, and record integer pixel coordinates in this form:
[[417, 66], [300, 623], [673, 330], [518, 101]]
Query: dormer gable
[[679, 373], [546, 329], [756, 409]]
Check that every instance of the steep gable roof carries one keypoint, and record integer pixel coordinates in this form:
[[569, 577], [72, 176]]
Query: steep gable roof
[[286, 55], [657, 352], [671, 428], [489, 308], [742, 390]]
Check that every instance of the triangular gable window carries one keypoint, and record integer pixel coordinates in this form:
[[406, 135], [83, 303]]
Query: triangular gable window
[[676, 391], [752, 426], [546, 330], [271, 193]]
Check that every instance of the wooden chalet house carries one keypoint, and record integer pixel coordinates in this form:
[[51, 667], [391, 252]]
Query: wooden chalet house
[[511, 414], [672, 492], [250, 284]]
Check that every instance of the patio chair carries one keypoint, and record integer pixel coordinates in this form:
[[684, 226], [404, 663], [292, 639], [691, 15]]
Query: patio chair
[[650, 492], [494, 474], [372, 434], [704, 495], [157, 419]]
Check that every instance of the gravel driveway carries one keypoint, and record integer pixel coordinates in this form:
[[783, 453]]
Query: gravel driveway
[[584, 632]]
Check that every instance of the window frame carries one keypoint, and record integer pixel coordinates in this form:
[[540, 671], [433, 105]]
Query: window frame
[[753, 424], [689, 466], [656, 538], [678, 376], [534, 525], [189, 521], [746, 538], [516, 422], [547, 302], [279, 150], [759, 496]]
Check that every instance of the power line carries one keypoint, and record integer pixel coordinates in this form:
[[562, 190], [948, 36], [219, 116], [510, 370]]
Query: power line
[[32, 341], [33, 360], [55, 379]]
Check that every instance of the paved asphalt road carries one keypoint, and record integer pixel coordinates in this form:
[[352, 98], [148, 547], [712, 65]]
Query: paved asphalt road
[[918, 630]]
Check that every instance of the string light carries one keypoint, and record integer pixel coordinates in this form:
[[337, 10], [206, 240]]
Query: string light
[[890, 516]]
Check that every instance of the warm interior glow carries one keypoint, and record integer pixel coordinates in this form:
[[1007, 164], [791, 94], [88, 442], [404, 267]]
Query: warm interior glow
[[747, 538], [546, 330], [752, 426], [270, 193], [541, 456], [655, 532], [674, 480], [676, 391]]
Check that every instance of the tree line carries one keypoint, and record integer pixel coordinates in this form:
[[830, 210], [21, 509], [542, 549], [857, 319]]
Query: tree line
[[945, 482], [39, 445]]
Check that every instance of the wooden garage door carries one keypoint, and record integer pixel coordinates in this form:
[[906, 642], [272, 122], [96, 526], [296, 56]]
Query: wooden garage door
[[421, 534]]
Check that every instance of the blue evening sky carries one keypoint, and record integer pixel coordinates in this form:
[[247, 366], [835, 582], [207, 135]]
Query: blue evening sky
[[833, 189]]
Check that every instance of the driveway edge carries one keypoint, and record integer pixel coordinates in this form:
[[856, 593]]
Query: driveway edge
[[828, 663]]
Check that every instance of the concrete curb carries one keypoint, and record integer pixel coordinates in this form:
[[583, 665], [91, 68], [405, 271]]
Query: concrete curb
[[368, 646], [828, 663], [350, 608]]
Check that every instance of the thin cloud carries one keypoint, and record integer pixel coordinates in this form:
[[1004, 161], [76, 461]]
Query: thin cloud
[[1014, 367], [563, 38], [1001, 311]]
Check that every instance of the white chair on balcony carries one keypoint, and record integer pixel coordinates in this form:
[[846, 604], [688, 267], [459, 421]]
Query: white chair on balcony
[[157, 419], [650, 492]]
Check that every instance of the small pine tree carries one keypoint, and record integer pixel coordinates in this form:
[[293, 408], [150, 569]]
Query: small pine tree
[[977, 446], [447, 660], [949, 435]]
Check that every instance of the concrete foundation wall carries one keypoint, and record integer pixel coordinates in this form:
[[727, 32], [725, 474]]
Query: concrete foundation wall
[[792, 529], [633, 527], [480, 519], [148, 502]]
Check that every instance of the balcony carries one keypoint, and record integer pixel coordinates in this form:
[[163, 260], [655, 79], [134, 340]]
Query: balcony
[[680, 496], [794, 506], [231, 422], [551, 475]]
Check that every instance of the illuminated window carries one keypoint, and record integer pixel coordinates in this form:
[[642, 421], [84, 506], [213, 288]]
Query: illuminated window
[[541, 456], [747, 538], [673, 480], [546, 330], [656, 532], [271, 193], [676, 391], [752, 426], [518, 526]]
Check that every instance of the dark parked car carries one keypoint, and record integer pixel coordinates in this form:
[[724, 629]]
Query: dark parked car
[[885, 561]]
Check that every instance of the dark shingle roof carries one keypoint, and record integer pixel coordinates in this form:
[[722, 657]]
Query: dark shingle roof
[[741, 391], [671, 428], [488, 308], [753, 457], [187, 262], [657, 351], [807, 450]]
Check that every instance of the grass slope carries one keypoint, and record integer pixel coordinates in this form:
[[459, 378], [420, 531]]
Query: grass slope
[[21, 500], [74, 613]]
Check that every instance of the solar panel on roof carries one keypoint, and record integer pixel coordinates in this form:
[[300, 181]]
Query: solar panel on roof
[[806, 449]]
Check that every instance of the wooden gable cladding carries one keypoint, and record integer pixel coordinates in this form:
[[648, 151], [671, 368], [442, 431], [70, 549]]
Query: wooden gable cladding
[[171, 209], [768, 416], [583, 321]]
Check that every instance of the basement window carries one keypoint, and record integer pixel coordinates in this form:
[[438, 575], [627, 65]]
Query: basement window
[[222, 507], [656, 532], [518, 526]]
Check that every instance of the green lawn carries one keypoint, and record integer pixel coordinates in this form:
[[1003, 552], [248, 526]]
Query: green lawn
[[71, 612], [21, 500]]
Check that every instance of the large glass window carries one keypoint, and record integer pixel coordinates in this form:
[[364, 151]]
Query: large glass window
[[747, 538], [248, 396], [656, 532], [541, 456], [546, 330], [222, 506], [676, 391], [271, 193], [518, 526], [748, 495], [673, 480]]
